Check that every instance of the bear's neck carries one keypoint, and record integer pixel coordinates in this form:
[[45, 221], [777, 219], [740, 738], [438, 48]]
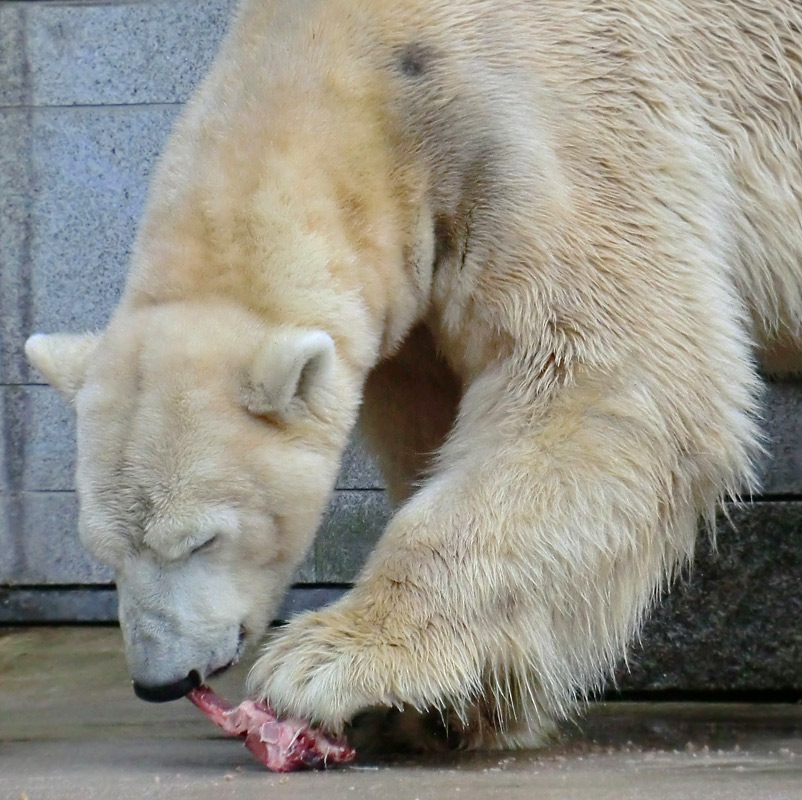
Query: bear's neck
[[289, 195], [288, 246]]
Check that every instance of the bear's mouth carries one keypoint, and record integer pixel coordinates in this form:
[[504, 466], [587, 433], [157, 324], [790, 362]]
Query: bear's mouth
[[180, 688], [221, 670], [241, 644]]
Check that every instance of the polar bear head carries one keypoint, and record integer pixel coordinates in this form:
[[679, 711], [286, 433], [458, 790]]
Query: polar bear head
[[208, 444]]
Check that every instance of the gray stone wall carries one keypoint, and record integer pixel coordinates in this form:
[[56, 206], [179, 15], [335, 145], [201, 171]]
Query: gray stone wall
[[88, 92]]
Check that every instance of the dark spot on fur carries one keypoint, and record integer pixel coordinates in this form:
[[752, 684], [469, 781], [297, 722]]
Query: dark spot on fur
[[453, 233], [445, 239], [415, 59]]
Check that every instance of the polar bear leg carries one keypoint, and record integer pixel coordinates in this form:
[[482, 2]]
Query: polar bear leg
[[521, 569], [409, 405]]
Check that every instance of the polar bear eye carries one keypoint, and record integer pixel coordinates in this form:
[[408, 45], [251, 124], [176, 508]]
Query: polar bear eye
[[207, 545]]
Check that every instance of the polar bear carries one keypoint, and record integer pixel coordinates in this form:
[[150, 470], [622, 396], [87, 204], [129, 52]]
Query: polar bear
[[534, 249]]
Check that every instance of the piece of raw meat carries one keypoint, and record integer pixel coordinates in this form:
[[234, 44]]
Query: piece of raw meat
[[281, 745]]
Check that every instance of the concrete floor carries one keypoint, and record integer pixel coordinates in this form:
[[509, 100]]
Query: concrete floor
[[70, 727]]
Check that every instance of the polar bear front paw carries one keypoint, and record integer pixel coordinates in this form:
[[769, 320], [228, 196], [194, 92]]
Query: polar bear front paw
[[325, 667]]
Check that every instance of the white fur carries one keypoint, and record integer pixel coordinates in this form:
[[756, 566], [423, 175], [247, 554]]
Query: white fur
[[535, 246]]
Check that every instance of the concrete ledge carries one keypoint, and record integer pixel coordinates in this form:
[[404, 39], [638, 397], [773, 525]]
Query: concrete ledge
[[735, 622]]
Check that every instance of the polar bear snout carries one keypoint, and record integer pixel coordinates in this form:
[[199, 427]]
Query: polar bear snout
[[166, 664], [148, 664], [178, 630]]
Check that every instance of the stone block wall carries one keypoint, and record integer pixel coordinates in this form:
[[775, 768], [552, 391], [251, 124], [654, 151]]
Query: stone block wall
[[88, 92]]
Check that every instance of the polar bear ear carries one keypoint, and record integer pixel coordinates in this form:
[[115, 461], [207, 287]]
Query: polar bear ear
[[62, 358], [288, 371]]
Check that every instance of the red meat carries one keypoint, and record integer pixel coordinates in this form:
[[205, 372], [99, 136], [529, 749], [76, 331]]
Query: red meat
[[281, 745]]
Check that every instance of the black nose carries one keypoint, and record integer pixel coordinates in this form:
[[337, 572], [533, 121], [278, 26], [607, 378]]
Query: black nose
[[168, 691]]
